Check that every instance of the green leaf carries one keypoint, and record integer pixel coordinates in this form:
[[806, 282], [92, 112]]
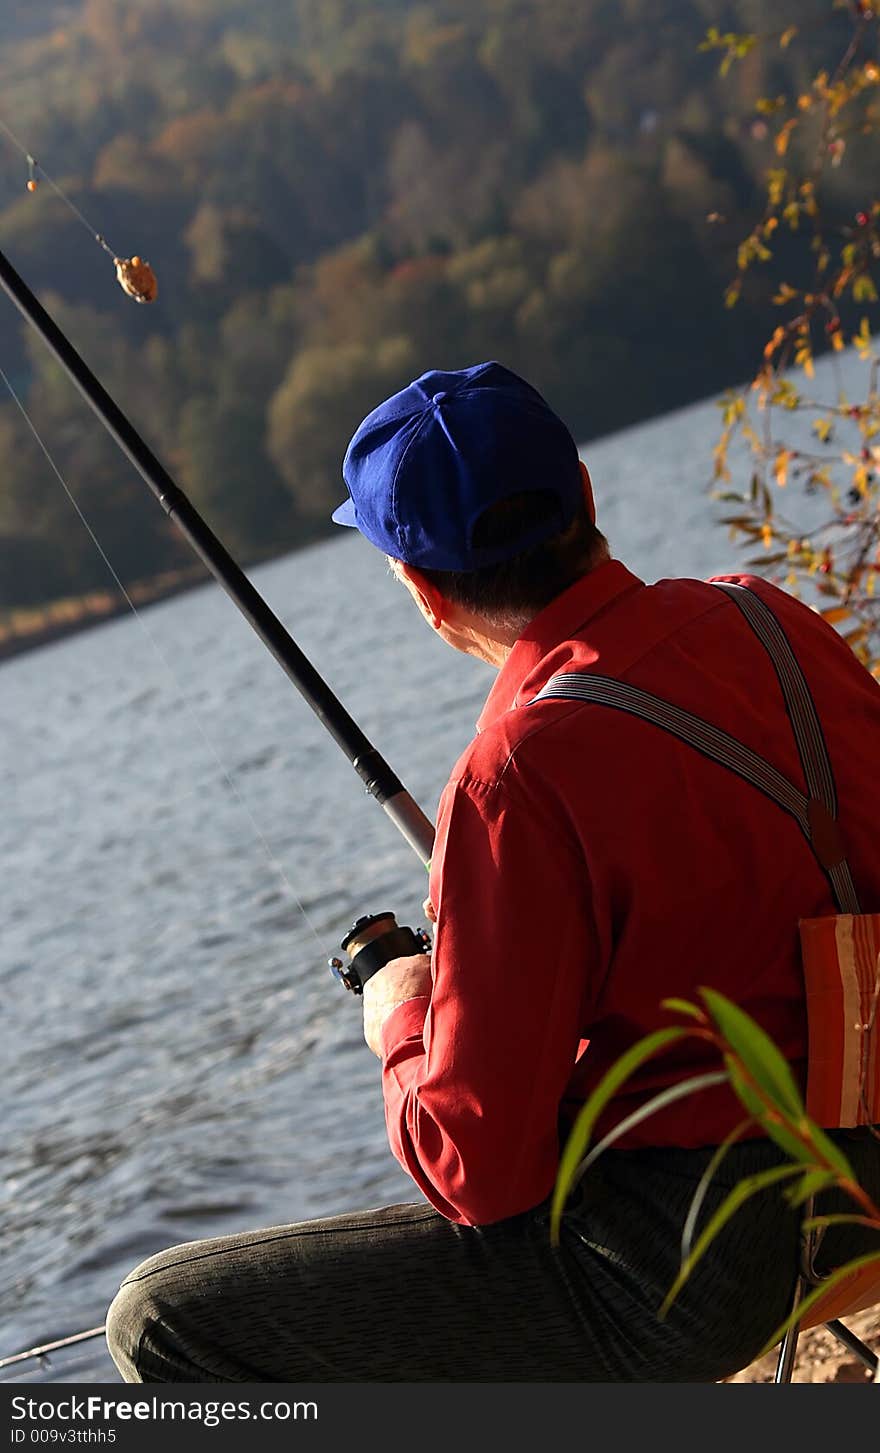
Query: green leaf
[[699, 1196], [683, 1006], [741, 1193], [679, 1091], [812, 1183], [757, 1051], [832, 1152], [782, 1133], [804, 1306], [814, 1222], [582, 1129]]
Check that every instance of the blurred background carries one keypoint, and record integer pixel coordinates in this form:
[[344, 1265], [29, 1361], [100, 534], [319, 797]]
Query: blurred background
[[339, 194]]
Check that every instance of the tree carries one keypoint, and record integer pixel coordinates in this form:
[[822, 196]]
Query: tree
[[319, 405], [826, 294], [227, 475]]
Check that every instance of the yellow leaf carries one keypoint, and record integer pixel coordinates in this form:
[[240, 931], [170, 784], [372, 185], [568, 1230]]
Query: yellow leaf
[[792, 215], [773, 343], [864, 289], [862, 340], [785, 294], [788, 36], [835, 614], [862, 480], [854, 637], [837, 342], [766, 536], [780, 469], [776, 179], [765, 106]]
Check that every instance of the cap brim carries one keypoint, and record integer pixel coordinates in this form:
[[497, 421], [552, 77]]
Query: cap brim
[[344, 515]]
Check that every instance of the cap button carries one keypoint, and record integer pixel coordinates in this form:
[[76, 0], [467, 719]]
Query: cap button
[[438, 398]]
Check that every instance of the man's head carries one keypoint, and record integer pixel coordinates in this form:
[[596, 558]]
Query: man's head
[[472, 487]]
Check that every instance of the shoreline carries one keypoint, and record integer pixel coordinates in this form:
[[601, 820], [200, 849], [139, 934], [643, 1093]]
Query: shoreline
[[29, 628]]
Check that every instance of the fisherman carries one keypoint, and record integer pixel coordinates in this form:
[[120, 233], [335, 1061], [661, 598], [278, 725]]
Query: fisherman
[[588, 864]]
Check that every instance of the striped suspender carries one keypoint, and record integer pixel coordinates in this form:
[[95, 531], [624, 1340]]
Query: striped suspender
[[816, 812]]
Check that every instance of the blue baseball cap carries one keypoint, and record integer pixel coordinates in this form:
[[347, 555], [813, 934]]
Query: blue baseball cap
[[426, 463]]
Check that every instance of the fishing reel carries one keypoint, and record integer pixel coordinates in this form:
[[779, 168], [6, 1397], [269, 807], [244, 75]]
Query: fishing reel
[[371, 943]]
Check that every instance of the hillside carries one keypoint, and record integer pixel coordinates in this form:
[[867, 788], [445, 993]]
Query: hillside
[[339, 194]]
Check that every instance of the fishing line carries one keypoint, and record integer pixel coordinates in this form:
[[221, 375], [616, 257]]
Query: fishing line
[[43, 1351], [259, 836], [34, 167], [138, 281]]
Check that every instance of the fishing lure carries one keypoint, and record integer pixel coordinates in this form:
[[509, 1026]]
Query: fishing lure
[[134, 274], [136, 277]]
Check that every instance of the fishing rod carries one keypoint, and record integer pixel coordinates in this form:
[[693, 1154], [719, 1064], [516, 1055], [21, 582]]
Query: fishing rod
[[378, 778], [61, 1342], [375, 938]]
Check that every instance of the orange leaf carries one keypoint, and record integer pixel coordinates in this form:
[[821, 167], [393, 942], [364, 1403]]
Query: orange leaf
[[784, 136]]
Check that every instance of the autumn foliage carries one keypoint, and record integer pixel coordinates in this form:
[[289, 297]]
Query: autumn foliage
[[833, 555]]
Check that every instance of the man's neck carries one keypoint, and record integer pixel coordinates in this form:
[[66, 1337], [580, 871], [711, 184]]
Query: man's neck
[[488, 641]]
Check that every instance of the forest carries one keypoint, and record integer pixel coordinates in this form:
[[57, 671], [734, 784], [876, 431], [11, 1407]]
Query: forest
[[336, 195]]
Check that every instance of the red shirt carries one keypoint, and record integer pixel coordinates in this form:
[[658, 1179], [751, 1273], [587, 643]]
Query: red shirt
[[588, 865]]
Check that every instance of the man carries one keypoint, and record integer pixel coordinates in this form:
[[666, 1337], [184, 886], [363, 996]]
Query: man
[[588, 864]]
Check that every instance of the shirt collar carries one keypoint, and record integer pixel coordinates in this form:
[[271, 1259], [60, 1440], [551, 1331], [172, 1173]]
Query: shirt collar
[[559, 621]]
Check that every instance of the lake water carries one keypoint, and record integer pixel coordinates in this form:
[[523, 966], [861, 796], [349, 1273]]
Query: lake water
[[181, 847]]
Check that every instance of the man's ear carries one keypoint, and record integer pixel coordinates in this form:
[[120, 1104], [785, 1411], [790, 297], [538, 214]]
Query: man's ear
[[588, 491], [427, 597]]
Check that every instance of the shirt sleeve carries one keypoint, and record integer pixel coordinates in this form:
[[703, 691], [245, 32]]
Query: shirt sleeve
[[473, 1078]]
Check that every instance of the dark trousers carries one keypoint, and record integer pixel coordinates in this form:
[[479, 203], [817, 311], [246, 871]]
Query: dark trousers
[[403, 1295]]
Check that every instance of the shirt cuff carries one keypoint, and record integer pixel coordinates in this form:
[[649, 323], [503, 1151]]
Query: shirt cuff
[[405, 1022]]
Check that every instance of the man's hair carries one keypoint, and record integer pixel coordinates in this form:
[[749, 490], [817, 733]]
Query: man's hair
[[523, 584]]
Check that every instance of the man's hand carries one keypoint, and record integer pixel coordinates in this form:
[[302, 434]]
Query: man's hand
[[399, 980]]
